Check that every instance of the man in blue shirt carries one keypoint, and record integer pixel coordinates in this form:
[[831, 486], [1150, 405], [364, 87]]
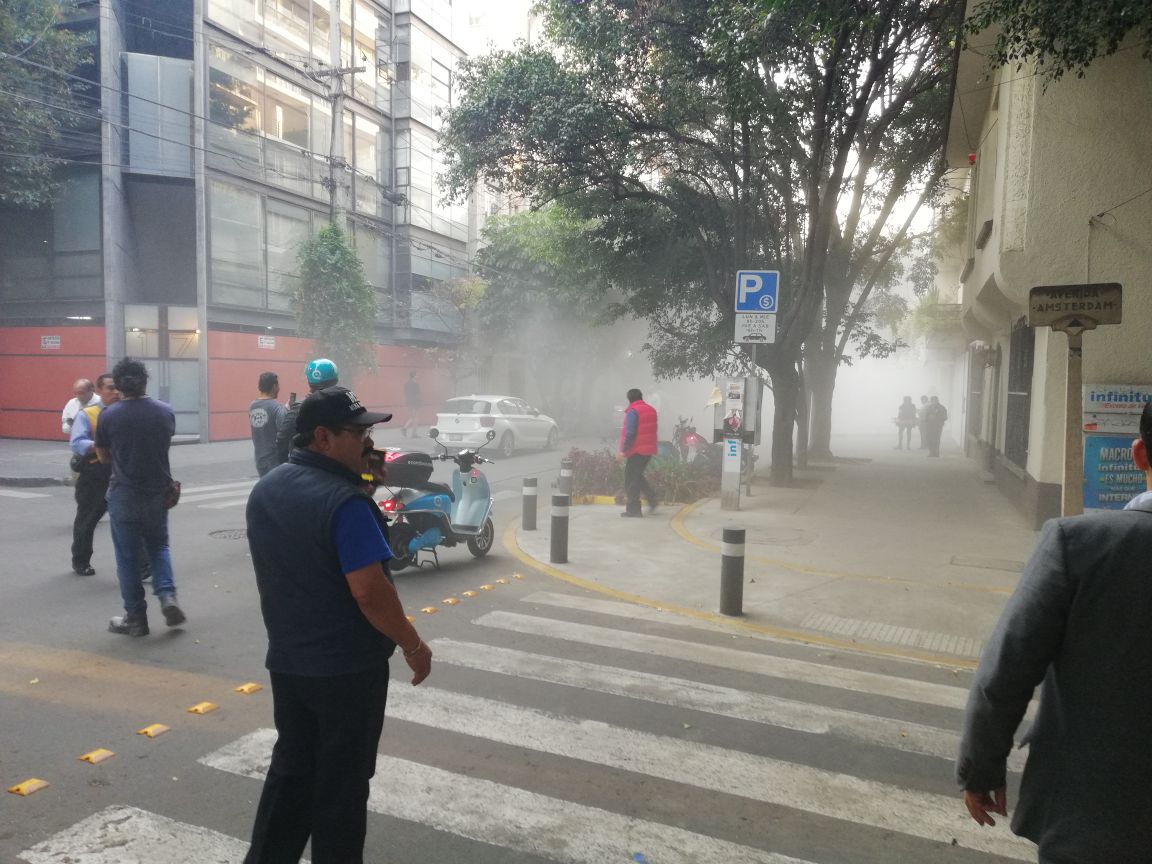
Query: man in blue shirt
[[134, 436], [333, 619], [91, 477]]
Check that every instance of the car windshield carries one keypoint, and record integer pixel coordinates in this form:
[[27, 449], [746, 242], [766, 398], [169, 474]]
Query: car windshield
[[466, 406]]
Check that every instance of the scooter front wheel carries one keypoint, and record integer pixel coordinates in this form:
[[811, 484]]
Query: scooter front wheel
[[481, 544], [399, 536]]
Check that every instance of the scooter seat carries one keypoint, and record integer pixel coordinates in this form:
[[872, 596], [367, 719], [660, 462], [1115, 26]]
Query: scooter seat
[[432, 486]]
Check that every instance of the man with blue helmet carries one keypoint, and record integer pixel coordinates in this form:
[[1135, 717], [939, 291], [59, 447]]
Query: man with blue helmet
[[320, 373]]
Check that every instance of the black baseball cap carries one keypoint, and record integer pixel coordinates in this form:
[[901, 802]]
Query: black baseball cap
[[335, 406]]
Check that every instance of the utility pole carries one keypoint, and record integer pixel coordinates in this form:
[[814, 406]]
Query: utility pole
[[336, 161]]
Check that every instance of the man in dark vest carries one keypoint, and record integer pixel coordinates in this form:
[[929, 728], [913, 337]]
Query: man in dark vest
[[637, 447], [333, 618]]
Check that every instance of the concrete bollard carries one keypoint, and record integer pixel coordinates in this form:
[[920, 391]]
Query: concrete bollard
[[564, 484], [560, 508], [732, 572], [528, 517]]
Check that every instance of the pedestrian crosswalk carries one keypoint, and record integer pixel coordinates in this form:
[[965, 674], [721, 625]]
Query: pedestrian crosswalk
[[226, 496], [619, 698]]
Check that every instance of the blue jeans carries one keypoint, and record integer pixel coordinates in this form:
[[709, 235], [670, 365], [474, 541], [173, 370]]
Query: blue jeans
[[139, 534]]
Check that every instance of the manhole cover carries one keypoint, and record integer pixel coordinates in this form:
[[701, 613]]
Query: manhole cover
[[230, 534], [772, 537]]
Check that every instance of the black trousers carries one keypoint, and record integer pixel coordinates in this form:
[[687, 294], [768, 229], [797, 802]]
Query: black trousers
[[91, 487], [635, 484], [317, 785]]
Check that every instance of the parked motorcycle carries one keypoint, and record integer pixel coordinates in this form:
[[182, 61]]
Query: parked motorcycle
[[689, 444], [425, 515]]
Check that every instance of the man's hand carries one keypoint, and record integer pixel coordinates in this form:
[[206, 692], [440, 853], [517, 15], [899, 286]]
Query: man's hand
[[981, 805], [620, 457], [420, 662]]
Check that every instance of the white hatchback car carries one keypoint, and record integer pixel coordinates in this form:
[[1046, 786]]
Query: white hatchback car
[[465, 420]]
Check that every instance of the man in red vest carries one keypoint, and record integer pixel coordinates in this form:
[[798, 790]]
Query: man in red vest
[[637, 447]]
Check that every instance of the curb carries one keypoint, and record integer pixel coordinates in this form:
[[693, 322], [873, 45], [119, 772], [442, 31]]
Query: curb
[[512, 545], [34, 481]]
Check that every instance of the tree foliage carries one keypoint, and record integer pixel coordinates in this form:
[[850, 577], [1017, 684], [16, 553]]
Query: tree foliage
[[39, 103], [1061, 35], [334, 303], [705, 138]]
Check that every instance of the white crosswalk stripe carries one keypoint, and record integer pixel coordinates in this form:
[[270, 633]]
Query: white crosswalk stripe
[[236, 495], [730, 658], [17, 493], [509, 817], [454, 796], [698, 696], [126, 835]]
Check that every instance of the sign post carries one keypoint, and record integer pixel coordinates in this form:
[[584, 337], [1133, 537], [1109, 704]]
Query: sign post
[[1074, 309]]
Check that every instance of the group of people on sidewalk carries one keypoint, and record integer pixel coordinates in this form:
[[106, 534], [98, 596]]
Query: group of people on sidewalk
[[929, 418]]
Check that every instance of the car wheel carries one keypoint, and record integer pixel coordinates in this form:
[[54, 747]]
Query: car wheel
[[553, 439], [507, 444], [481, 545]]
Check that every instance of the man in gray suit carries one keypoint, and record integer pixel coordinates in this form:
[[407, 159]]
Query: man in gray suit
[[1081, 622]]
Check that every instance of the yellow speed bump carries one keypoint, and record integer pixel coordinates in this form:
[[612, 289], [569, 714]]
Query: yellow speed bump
[[429, 610], [502, 581], [487, 587], [97, 756], [517, 575], [467, 593], [450, 601], [153, 731], [249, 688], [411, 618], [28, 786], [203, 708]]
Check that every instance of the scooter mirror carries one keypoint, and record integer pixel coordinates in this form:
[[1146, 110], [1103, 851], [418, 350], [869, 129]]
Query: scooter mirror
[[491, 434], [433, 433]]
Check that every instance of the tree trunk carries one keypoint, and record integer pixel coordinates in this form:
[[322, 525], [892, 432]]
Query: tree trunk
[[785, 389], [802, 421], [821, 381]]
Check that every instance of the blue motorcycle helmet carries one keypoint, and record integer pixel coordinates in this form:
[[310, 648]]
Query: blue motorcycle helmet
[[321, 373]]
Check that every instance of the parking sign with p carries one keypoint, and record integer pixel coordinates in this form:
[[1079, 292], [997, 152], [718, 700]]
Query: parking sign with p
[[756, 290]]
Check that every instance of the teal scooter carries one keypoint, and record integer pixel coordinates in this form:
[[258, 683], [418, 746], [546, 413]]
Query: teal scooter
[[425, 515]]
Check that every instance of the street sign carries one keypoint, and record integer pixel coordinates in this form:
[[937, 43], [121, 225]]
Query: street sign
[[1074, 308], [757, 328], [756, 290]]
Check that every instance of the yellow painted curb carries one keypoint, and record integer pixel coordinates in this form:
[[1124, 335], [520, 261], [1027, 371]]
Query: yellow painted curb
[[513, 548], [593, 499], [681, 529]]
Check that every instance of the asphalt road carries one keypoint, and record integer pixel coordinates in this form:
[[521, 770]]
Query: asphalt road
[[556, 726]]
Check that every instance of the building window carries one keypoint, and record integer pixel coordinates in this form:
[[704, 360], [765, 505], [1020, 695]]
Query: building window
[[1021, 351], [287, 227], [237, 238]]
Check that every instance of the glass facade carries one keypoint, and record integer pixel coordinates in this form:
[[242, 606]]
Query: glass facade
[[55, 252]]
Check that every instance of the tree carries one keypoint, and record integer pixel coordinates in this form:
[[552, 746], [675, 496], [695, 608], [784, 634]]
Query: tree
[[38, 101], [1061, 35], [334, 303], [706, 138]]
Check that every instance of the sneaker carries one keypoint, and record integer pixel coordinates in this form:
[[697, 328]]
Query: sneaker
[[85, 570], [173, 614], [628, 515], [129, 625]]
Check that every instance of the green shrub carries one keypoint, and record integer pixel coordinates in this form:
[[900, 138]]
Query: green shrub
[[599, 473]]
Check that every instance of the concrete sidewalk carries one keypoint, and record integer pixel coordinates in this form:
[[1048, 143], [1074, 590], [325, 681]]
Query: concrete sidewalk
[[886, 551]]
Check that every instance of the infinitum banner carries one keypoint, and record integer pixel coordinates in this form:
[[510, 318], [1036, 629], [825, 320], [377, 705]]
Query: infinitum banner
[[1111, 422]]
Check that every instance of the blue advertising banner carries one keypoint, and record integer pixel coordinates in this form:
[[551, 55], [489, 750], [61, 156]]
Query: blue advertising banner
[[1111, 478]]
